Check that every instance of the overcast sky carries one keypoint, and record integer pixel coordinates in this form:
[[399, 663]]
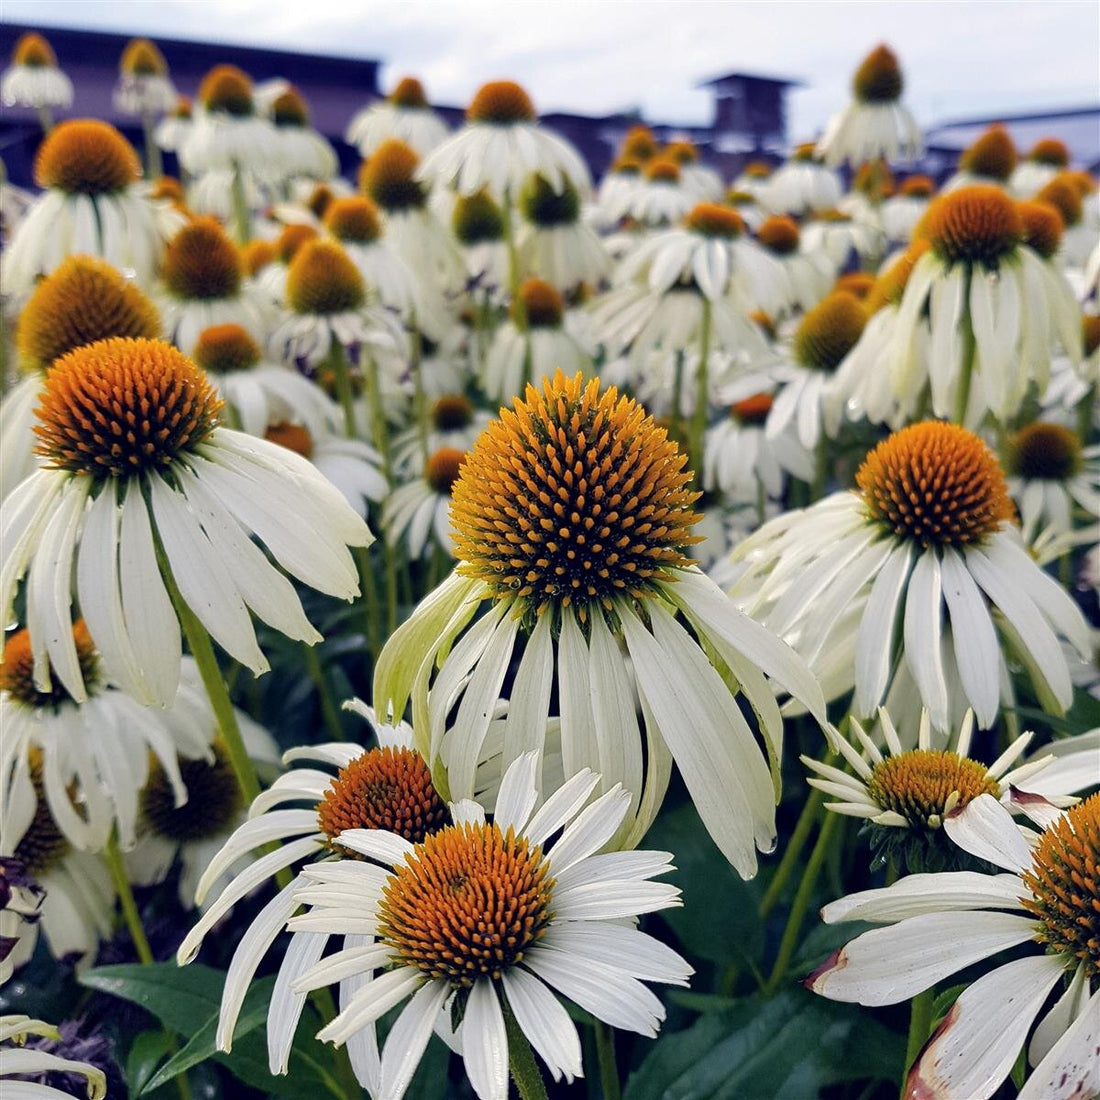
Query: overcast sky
[[963, 57]]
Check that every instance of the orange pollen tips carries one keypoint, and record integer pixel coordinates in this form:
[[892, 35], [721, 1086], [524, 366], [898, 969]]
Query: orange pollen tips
[[974, 225], [917, 187], [222, 349], [84, 300], [142, 58], [740, 198], [388, 788], [256, 255], [937, 484], [752, 410], [120, 407], [409, 93], [890, 285], [1050, 151], [624, 165], [501, 102], [993, 155], [389, 176], [856, 283], [1090, 332], [86, 157], [320, 199], [1044, 452], [33, 52], [829, 331], [213, 799], [182, 108], [290, 239], [925, 785], [780, 235], [573, 497], [712, 219], [639, 144], [443, 468], [355, 220], [227, 89], [758, 170], [683, 152], [1063, 194], [323, 280], [467, 903], [290, 109], [878, 78], [874, 176], [43, 846], [168, 189], [294, 437], [1043, 226], [17, 670], [807, 151], [542, 304], [662, 170], [201, 262], [452, 412], [1064, 881]]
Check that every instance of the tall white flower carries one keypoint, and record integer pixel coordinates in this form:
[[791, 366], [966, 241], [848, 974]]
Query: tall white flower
[[144, 87], [34, 78], [404, 114]]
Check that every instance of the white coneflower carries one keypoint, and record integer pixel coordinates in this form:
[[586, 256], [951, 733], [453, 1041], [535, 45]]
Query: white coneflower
[[995, 309], [144, 87], [453, 422], [821, 342], [1073, 195], [840, 236], [172, 131], [298, 149], [615, 192], [500, 145], [808, 274], [875, 124], [34, 78], [226, 133], [1049, 475], [929, 524], [22, 1063], [1071, 390], [554, 243], [428, 941], [390, 177], [991, 159], [937, 924], [802, 185], [901, 213], [270, 275], [571, 515], [532, 345], [703, 182], [92, 203], [206, 488], [478, 226], [1048, 157], [404, 114], [419, 512], [753, 179], [83, 300], [660, 199]]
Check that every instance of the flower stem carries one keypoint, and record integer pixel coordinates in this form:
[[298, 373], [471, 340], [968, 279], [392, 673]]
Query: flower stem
[[370, 599], [962, 398], [153, 165], [420, 402], [920, 1024], [811, 810], [338, 362], [521, 1061], [605, 1056], [320, 681], [702, 403], [112, 856], [801, 904], [45, 119], [241, 216], [1085, 409]]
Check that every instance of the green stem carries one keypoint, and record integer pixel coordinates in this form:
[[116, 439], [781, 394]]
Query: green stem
[[521, 1061], [920, 1024], [702, 395], [801, 904], [370, 600], [153, 164], [811, 810], [1085, 409], [379, 435], [337, 362], [242, 219], [817, 489], [45, 119], [202, 650], [320, 681], [420, 402], [676, 427], [391, 588], [962, 398], [605, 1057]]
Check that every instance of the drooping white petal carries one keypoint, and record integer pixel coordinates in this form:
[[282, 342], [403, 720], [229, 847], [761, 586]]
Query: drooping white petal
[[985, 829], [484, 1043], [545, 1022]]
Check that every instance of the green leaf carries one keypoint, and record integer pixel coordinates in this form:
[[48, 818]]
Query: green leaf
[[791, 1046], [182, 998], [147, 1051], [718, 920]]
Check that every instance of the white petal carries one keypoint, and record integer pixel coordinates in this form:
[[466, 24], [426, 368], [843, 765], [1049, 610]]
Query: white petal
[[927, 893], [1072, 1068], [409, 1036], [484, 1043], [985, 829], [544, 1021]]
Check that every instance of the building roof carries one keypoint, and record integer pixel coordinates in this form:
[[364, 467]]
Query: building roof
[[759, 78]]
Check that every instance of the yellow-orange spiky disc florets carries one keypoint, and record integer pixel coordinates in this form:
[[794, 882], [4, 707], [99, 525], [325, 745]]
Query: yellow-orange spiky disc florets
[[573, 497], [202, 262], [120, 407], [256, 255], [85, 299], [227, 89], [712, 219], [294, 437], [1062, 193], [323, 280], [443, 468], [936, 484], [1050, 151], [291, 238], [142, 58], [856, 283], [683, 152], [890, 285], [86, 157], [1044, 452], [1064, 880], [169, 189], [182, 108], [662, 170], [467, 903], [752, 410], [878, 78], [1043, 226], [973, 225], [639, 144], [290, 109], [829, 331], [925, 784], [543, 306], [409, 93], [34, 52], [386, 788], [44, 845], [222, 349], [354, 219], [993, 155], [213, 799], [452, 411], [874, 177], [917, 187], [388, 176], [757, 170], [779, 234], [501, 102], [17, 670]]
